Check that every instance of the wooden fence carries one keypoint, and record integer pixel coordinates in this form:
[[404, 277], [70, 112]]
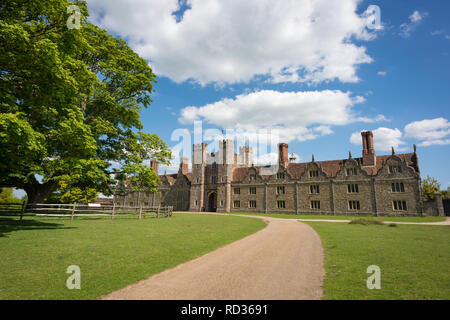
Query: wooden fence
[[85, 210], [12, 209]]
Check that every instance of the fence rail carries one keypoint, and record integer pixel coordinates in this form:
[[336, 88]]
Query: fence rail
[[13, 209], [84, 210]]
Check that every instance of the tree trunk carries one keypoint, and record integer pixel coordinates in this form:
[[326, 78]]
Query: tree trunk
[[38, 192]]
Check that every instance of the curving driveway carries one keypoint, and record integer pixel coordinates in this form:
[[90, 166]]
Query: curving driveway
[[282, 261]]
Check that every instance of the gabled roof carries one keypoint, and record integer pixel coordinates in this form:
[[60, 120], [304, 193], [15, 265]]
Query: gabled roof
[[330, 168]]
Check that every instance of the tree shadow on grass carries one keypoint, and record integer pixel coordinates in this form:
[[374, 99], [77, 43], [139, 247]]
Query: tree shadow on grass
[[8, 225]]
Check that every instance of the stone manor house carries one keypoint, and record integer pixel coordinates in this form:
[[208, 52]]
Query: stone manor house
[[227, 182]]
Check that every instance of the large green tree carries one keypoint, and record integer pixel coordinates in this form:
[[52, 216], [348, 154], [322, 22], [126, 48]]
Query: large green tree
[[69, 102]]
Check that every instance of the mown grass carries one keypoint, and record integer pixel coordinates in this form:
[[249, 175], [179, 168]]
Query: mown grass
[[36, 252], [414, 260], [322, 217]]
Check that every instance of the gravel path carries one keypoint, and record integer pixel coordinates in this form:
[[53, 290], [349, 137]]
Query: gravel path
[[282, 261]]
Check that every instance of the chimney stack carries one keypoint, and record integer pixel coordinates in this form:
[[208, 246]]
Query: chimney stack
[[154, 165], [184, 165], [283, 154], [369, 157]]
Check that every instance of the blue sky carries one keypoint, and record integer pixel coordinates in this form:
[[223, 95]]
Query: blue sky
[[311, 69], [396, 77]]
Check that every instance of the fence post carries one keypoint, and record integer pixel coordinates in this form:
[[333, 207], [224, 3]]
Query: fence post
[[113, 210], [157, 212], [73, 210], [140, 211], [23, 210]]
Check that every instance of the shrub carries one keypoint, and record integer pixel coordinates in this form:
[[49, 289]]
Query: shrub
[[366, 222]]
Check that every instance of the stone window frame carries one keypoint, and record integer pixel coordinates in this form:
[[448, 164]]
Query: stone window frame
[[213, 179], [281, 175], [395, 168], [313, 173], [315, 204], [195, 203], [252, 204], [352, 171], [281, 188], [314, 189], [399, 205], [354, 205], [236, 204], [252, 177], [352, 188], [251, 189], [398, 187], [281, 204], [222, 203], [236, 191]]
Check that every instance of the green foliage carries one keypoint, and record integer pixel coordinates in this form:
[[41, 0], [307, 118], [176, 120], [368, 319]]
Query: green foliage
[[7, 196], [70, 194], [69, 102], [430, 186]]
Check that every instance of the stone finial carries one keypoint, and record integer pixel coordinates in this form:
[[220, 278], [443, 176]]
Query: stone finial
[[393, 151], [349, 154], [313, 157], [415, 148], [292, 158]]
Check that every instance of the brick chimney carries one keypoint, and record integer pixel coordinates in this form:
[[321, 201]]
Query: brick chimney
[[369, 156], [283, 154], [184, 165], [154, 165]]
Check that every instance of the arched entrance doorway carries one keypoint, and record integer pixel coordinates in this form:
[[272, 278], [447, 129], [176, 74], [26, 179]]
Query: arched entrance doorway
[[212, 202]]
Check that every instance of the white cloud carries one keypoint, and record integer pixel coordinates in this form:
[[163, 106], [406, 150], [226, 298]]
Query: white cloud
[[296, 115], [437, 32], [429, 132], [235, 41], [414, 20], [271, 158], [382, 73], [383, 139]]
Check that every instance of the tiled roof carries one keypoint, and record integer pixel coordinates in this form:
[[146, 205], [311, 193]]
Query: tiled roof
[[331, 167]]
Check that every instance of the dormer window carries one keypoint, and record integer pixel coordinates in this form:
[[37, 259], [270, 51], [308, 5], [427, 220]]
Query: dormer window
[[214, 165], [280, 175], [252, 177], [394, 169], [313, 173], [351, 172]]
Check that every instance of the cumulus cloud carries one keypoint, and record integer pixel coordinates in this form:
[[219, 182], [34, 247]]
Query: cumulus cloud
[[382, 73], [298, 116], [429, 132], [383, 139], [414, 21], [426, 132], [235, 41]]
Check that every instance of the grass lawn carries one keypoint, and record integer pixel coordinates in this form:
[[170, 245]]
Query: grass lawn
[[35, 254], [414, 260], [311, 216]]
